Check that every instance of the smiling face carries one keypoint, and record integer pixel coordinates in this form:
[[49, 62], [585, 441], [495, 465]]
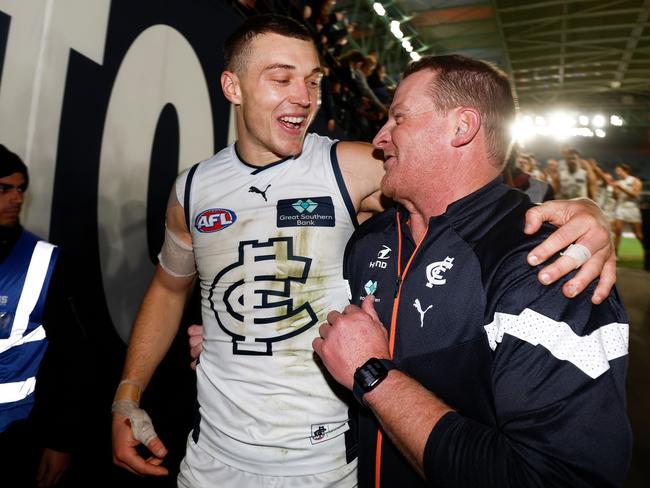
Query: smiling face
[[12, 190], [277, 95], [414, 127]]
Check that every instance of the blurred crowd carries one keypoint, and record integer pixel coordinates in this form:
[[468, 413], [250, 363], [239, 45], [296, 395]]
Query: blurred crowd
[[573, 176]]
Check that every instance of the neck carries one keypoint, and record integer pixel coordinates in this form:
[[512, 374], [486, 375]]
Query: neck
[[8, 237], [447, 187], [254, 156]]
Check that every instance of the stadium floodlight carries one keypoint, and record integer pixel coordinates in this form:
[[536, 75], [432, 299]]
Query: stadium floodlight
[[598, 121], [616, 120], [379, 8], [406, 44], [394, 28], [583, 119], [415, 56], [600, 133]]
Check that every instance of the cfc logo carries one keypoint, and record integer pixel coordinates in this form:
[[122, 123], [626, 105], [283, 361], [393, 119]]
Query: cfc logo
[[254, 300], [214, 220], [435, 270]]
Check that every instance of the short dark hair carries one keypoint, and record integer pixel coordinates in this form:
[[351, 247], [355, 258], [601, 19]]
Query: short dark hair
[[463, 81], [10, 163], [625, 168], [235, 49]]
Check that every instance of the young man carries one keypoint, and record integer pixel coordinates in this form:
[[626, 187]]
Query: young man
[[38, 342], [479, 376], [266, 221]]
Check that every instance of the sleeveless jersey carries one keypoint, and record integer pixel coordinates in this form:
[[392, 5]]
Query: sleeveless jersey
[[269, 244], [627, 208], [573, 185], [24, 279], [606, 200], [628, 184]]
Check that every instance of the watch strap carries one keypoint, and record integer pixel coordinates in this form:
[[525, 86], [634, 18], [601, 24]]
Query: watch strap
[[358, 389]]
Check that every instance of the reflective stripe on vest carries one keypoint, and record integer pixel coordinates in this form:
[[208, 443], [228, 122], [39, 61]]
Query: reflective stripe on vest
[[23, 347]]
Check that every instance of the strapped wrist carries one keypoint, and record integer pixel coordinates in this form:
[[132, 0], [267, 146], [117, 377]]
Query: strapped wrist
[[128, 390]]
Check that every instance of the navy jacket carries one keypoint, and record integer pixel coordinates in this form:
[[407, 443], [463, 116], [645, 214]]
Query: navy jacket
[[537, 380]]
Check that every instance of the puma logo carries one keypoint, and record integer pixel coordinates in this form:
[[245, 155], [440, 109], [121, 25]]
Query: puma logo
[[418, 307], [254, 189]]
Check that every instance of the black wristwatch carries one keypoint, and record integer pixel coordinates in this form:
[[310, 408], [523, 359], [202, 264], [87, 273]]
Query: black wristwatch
[[368, 376]]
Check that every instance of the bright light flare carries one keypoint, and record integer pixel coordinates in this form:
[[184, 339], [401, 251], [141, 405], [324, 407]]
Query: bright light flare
[[394, 28], [379, 8], [415, 56], [616, 120], [598, 121]]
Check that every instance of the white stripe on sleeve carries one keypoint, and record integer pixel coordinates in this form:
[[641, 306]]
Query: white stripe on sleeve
[[591, 354]]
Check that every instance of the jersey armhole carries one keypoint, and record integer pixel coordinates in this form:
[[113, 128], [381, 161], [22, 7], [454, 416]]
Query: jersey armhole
[[342, 188], [186, 196]]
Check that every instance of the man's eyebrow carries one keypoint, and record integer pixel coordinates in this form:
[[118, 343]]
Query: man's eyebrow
[[273, 66], [279, 66]]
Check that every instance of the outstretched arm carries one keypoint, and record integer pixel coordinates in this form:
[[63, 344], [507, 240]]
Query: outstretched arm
[[582, 222]]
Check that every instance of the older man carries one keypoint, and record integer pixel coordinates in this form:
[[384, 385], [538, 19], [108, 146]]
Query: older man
[[469, 371]]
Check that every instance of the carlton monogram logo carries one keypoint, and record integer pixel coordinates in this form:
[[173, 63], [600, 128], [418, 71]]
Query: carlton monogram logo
[[254, 301], [435, 271]]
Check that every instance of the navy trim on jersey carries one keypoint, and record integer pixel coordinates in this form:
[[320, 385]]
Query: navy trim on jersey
[[186, 196], [259, 169], [344, 191]]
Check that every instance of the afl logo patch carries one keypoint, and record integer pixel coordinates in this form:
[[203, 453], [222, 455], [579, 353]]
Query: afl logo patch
[[214, 220]]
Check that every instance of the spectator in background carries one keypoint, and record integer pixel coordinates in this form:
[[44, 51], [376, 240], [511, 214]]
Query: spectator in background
[[42, 366], [552, 174], [627, 209], [354, 60], [607, 193], [575, 180], [377, 85], [517, 174]]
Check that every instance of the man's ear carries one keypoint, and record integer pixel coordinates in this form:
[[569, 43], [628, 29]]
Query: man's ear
[[230, 87], [468, 123]]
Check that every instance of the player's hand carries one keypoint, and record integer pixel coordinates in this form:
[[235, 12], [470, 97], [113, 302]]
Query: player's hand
[[347, 340], [125, 455], [580, 221], [195, 333], [52, 466]]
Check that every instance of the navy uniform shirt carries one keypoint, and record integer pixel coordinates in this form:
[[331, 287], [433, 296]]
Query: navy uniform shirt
[[537, 381]]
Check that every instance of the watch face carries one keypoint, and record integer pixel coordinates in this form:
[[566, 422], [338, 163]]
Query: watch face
[[370, 374]]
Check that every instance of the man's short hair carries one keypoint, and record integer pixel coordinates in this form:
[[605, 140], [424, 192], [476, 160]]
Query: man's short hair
[[236, 48], [572, 152], [10, 163], [467, 82], [625, 168]]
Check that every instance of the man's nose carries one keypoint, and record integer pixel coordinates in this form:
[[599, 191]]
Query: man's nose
[[16, 196], [382, 138], [300, 95]]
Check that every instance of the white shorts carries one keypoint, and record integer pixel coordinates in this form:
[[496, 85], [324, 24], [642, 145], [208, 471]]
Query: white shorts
[[208, 472], [628, 212]]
